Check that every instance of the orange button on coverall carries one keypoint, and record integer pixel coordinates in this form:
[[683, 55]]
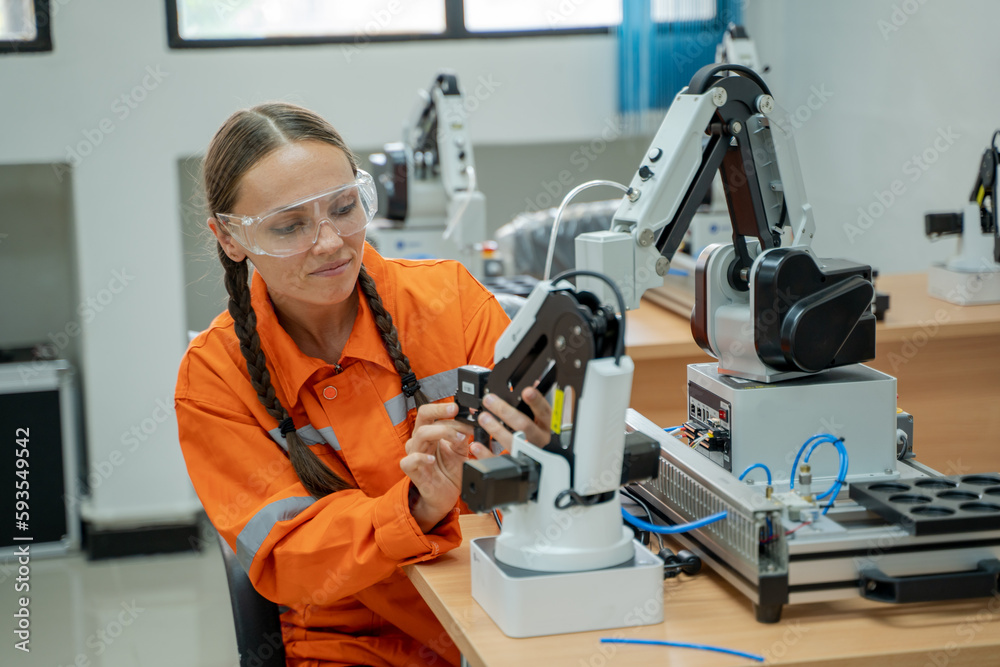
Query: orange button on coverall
[[335, 562]]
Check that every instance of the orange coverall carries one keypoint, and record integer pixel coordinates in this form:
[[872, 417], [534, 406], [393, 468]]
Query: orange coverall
[[335, 562]]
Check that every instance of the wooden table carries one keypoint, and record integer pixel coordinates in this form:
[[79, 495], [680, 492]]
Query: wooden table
[[946, 359], [705, 609]]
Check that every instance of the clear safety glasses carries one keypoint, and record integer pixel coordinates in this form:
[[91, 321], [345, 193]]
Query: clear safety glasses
[[294, 228]]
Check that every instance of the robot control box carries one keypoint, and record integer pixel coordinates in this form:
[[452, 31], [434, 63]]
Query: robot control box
[[753, 422]]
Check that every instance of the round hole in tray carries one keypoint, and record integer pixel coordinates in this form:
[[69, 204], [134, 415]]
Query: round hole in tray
[[983, 508], [932, 510], [982, 480], [888, 487], [936, 484], [909, 499], [958, 495], [995, 491]]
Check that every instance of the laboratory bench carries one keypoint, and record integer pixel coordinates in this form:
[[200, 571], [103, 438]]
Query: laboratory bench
[[946, 359]]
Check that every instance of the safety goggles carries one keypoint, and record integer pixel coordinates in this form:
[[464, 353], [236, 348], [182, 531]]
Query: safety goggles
[[294, 228]]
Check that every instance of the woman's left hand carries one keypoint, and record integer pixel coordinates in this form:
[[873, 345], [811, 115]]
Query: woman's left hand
[[537, 430]]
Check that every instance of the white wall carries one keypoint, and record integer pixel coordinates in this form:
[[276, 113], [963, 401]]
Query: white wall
[[126, 191], [890, 96], [895, 79]]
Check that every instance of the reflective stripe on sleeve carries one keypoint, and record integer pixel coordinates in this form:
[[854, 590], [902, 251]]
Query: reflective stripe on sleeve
[[259, 527], [309, 435], [435, 387]]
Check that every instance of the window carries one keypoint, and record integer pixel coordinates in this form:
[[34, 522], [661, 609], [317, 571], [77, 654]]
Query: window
[[220, 23], [540, 15], [24, 26], [673, 11], [291, 19]]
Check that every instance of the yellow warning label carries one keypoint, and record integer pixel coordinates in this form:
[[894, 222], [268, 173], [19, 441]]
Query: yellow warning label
[[557, 411]]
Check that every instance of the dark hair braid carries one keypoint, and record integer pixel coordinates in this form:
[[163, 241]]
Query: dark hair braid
[[243, 140], [390, 338], [315, 475]]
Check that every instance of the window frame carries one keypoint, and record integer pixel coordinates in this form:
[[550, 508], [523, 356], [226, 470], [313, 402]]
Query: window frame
[[454, 15], [42, 41]]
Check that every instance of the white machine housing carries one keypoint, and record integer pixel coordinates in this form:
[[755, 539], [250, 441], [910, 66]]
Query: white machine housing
[[970, 277], [444, 213], [576, 569]]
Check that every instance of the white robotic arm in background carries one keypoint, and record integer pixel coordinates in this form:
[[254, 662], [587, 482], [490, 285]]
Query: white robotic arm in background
[[433, 208], [970, 276], [711, 223], [767, 313]]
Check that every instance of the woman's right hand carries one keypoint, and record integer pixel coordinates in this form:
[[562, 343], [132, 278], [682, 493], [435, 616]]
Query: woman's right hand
[[435, 454]]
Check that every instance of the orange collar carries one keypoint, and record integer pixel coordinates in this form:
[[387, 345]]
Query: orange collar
[[290, 365]]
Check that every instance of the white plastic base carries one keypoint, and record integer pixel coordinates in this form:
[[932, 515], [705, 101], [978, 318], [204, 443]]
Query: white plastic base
[[964, 289], [524, 603]]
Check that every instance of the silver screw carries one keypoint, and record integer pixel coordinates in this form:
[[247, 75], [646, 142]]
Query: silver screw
[[560, 343], [632, 194], [736, 127], [719, 96], [577, 330], [576, 363], [765, 104], [646, 237], [662, 266]]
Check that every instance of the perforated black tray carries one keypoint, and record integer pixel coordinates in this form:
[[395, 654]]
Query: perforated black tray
[[935, 505]]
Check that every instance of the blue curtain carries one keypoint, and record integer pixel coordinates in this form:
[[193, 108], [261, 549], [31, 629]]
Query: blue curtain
[[657, 59]]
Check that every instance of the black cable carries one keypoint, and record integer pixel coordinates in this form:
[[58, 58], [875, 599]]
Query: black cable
[[649, 514], [620, 346]]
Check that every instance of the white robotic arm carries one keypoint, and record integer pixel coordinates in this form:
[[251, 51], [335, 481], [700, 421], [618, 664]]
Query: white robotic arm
[[433, 206], [969, 277], [760, 312]]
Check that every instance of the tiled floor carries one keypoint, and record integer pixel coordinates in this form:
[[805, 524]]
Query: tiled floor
[[133, 612]]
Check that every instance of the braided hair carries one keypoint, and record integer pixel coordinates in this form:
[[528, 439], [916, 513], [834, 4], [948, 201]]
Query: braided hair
[[243, 140]]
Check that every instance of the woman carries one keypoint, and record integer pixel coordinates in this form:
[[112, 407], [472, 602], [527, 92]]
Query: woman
[[314, 442]]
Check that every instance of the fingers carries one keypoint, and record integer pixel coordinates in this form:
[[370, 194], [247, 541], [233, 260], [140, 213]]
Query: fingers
[[431, 412], [481, 451], [536, 431], [443, 469], [536, 401], [496, 430], [417, 465], [427, 436]]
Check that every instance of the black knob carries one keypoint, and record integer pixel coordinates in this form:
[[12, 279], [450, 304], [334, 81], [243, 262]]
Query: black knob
[[645, 173]]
